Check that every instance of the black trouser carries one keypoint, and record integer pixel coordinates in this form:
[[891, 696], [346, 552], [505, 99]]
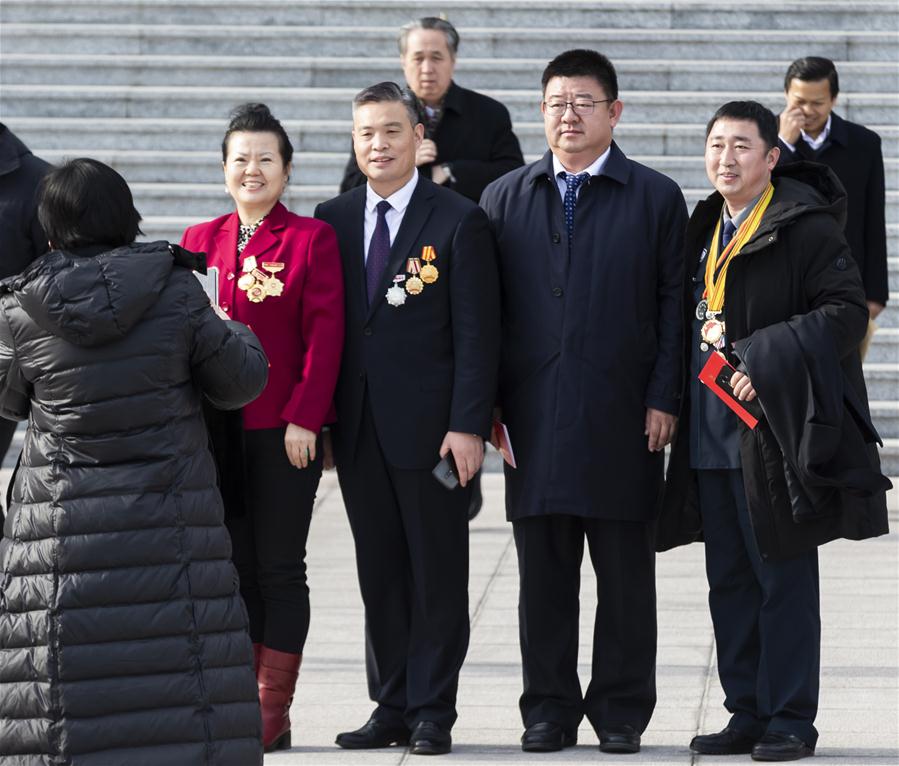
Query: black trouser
[[269, 541], [622, 688], [766, 616], [411, 539]]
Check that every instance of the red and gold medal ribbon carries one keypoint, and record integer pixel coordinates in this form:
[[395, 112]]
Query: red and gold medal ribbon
[[716, 265]]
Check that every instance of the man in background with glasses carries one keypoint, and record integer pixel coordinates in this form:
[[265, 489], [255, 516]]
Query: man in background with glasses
[[591, 267]]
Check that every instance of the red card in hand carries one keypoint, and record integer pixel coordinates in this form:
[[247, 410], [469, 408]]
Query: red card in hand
[[716, 375], [501, 437]]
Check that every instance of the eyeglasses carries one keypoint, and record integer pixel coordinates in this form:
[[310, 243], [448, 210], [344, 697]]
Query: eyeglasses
[[582, 106]]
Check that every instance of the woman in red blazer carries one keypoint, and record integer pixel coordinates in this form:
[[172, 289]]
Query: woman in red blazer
[[280, 274]]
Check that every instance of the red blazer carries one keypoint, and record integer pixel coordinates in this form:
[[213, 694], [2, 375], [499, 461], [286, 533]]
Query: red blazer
[[302, 329]]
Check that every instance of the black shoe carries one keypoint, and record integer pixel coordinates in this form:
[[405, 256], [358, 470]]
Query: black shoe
[[779, 746], [728, 741], [477, 497], [373, 734], [619, 739], [428, 738], [546, 737]]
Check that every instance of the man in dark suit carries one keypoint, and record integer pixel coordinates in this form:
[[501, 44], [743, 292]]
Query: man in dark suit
[[590, 267], [468, 136], [810, 130], [417, 382]]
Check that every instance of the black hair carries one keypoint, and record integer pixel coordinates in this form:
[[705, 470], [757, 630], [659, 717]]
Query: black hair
[[257, 118], [812, 69], [581, 62], [751, 111], [430, 22], [391, 92], [85, 202]]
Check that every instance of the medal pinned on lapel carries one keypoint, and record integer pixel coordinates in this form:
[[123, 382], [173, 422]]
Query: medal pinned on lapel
[[414, 285], [429, 273], [395, 295], [260, 282]]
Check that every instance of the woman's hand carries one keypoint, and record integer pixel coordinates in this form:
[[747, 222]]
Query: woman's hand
[[299, 443]]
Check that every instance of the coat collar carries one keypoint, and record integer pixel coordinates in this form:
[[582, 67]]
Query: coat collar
[[839, 130], [267, 236], [11, 150], [617, 167], [417, 213]]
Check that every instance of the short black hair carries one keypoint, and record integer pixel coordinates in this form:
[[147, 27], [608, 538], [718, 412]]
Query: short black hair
[[430, 22], [388, 91], [582, 62], [812, 69], [751, 111], [257, 118], [85, 202]]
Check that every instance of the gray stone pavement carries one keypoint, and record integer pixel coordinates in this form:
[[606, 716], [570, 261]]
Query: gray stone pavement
[[858, 719], [860, 660]]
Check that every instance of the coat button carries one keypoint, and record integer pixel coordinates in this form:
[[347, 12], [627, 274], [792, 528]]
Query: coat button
[[230, 275], [557, 238], [557, 291], [225, 306], [367, 331]]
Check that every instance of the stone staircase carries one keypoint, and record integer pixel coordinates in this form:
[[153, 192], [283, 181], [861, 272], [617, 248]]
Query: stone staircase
[[147, 87]]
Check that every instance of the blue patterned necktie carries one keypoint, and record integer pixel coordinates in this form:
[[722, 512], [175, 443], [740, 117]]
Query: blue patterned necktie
[[728, 234], [378, 251], [573, 183]]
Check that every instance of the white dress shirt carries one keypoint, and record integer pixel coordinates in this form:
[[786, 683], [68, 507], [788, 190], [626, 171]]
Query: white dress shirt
[[814, 143], [594, 169], [399, 201]]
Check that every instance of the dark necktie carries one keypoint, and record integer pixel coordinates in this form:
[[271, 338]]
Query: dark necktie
[[572, 182], [728, 234], [378, 251]]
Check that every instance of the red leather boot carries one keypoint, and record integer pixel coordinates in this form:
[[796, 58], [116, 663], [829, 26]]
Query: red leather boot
[[277, 678]]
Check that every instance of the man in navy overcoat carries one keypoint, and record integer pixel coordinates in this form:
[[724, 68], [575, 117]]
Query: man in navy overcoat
[[591, 267]]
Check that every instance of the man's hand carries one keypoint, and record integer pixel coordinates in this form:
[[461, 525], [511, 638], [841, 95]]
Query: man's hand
[[792, 121], [439, 175], [874, 308], [427, 152], [299, 443], [742, 386], [327, 451], [468, 452], [660, 428]]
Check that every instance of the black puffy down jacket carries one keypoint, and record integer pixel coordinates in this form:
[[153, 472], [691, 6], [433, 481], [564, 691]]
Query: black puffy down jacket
[[122, 635]]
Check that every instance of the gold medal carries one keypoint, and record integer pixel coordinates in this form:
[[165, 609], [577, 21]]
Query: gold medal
[[414, 285], [246, 281], [713, 333], [273, 286], [249, 264], [428, 254], [273, 266], [429, 274], [256, 294]]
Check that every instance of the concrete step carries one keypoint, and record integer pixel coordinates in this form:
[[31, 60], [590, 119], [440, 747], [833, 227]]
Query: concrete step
[[204, 201], [886, 418], [890, 316], [358, 72], [100, 102], [885, 345], [197, 134], [327, 167], [570, 14], [208, 199], [882, 379], [889, 458], [479, 42]]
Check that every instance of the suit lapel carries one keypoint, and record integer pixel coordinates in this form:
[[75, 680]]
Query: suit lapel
[[417, 214], [355, 265], [268, 235]]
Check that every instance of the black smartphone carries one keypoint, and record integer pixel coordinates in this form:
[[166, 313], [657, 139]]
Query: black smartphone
[[445, 472]]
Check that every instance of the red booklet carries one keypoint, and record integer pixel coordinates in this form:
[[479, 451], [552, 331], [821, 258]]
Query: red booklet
[[716, 375]]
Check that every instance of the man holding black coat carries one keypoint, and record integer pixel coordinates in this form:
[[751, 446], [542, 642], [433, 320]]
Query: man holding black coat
[[770, 284]]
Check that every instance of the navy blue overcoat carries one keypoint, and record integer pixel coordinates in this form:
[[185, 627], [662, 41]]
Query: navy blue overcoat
[[591, 338]]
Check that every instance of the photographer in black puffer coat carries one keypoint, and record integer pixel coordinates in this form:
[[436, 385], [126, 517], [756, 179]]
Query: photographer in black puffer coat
[[122, 635]]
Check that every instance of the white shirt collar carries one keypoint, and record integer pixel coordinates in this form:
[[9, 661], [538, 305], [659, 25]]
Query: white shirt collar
[[399, 200], [594, 168], [817, 143]]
